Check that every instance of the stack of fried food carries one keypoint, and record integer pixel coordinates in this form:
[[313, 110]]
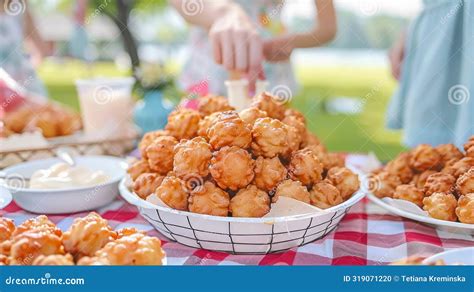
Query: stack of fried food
[[218, 162], [89, 241], [51, 119], [438, 179]]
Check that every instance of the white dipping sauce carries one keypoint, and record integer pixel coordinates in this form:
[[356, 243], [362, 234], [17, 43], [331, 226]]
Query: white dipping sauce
[[64, 176]]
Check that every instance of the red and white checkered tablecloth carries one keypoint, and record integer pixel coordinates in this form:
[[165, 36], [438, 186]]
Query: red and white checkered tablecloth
[[367, 235]]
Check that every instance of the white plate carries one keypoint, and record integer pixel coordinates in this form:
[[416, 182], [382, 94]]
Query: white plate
[[457, 256], [58, 201], [240, 235], [456, 227], [5, 197]]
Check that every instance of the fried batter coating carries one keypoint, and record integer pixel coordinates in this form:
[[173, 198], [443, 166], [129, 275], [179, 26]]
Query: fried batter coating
[[469, 147], [441, 206], [311, 139], [291, 112], [460, 167], [27, 246], [251, 114], [331, 159], [54, 260], [147, 139], [448, 152], [419, 180], [269, 138], [269, 172], [137, 168], [296, 122], [173, 193], [192, 157], [439, 183], [250, 202], [344, 180], [205, 123], [7, 227], [87, 235], [425, 157], [292, 189], [212, 103], [137, 249], [146, 184], [4, 260], [324, 195], [305, 167], [409, 193], [160, 154], [128, 231], [38, 224], [210, 200], [465, 209], [232, 168], [465, 183], [183, 123], [268, 103], [294, 142], [384, 184], [400, 167], [229, 130]]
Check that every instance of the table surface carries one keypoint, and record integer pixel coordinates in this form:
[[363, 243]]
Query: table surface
[[367, 235]]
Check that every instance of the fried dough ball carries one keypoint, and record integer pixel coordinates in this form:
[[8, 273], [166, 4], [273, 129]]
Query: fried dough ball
[[296, 122], [160, 154], [311, 139], [250, 202], [269, 138], [87, 235], [305, 167], [331, 159], [441, 206], [425, 157], [232, 168], [324, 195], [173, 193], [146, 184], [439, 183], [344, 180], [147, 139], [210, 200], [183, 123], [128, 231], [47, 122], [229, 130], [400, 166], [4, 260], [251, 114], [192, 158], [38, 224], [460, 167], [269, 172], [409, 193], [292, 189], [291, 112], [469, 147], [54, 260], [384, 184], [7, 227], [269, 104], [448, 152], [419, 180], [212, 103], [465, 183], [137, 249], [465, 209], [206, 123], [27, 246], [137, 168], [294, 141], [17, 120]]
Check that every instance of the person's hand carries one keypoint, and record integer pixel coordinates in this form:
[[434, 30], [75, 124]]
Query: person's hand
[[236, 43], [278, 49], [396, 56]]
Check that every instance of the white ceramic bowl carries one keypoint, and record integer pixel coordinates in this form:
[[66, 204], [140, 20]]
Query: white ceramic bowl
[[240, 235], [5, 197], [71, 200], [457, 256]]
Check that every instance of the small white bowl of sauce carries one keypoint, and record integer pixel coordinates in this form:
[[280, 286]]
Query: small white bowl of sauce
[[50, 186]]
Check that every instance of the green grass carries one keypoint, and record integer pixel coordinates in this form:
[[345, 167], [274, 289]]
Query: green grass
[[363, 132]]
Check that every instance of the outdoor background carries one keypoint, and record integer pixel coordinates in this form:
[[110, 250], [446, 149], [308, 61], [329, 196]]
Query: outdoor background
[[345, 87]]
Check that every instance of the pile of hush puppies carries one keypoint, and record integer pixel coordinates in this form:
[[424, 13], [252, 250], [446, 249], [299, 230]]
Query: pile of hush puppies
[[438, 179], [215, 161], [89, 241]]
